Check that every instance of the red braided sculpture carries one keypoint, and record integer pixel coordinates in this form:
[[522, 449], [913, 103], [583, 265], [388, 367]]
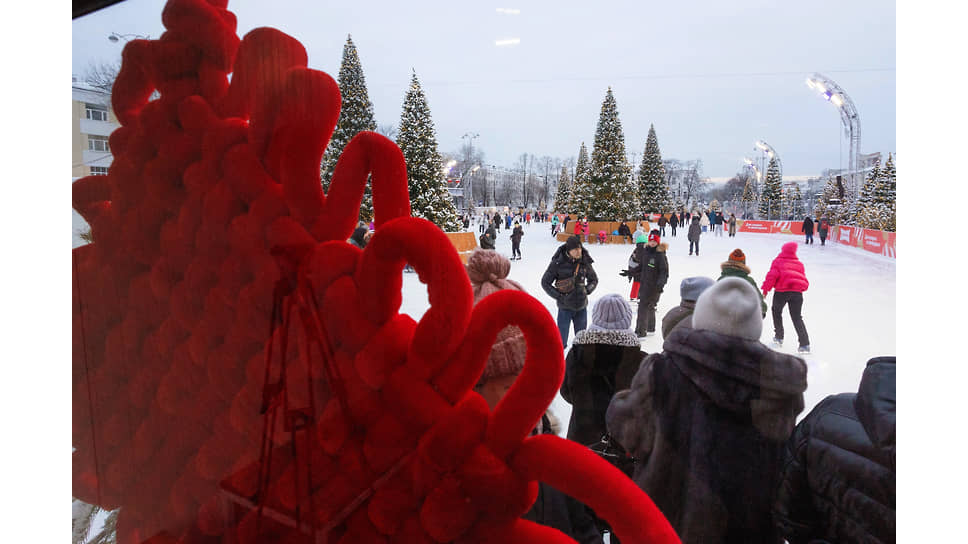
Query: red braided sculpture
[[241, 374]]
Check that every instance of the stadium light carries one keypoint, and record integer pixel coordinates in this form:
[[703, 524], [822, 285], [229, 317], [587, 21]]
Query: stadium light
[[850, 118]]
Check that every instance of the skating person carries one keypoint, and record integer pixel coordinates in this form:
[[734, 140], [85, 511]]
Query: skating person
[[732, 225], [674, 222], [653, 274], [822, 229], [838, 477], [735, 267], [554, 224], [719, 219], [704, 221], [808, 230], [488, 273], [569, 279], [481, 222], [662, 224], [585, 229], [709, 417], [632, 273], [789, 278], [623, 230], [681, 315], [489, 238], [602, 360], [695, 232], [516, 241]]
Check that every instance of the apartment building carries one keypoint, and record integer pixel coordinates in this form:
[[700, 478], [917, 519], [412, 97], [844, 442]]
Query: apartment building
[[92, 121]]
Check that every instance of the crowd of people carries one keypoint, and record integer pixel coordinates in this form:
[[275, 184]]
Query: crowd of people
[[708, 423]]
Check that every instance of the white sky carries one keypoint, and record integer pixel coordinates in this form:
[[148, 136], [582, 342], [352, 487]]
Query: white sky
[[713, 77]]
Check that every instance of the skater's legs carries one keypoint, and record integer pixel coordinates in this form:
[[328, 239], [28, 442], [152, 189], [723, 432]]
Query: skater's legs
[[779, 301], [580, 320], [650, 304], [642, 319], [796, 305], [564, 323]]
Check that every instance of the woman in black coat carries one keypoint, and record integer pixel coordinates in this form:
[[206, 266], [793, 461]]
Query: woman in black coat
[[695, 231], [808, 230], [838, 478], [516, 241], [488, 238], [674, 222]]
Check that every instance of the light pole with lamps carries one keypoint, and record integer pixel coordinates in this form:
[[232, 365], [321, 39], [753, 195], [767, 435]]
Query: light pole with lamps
[[471, 136], [832, 93]]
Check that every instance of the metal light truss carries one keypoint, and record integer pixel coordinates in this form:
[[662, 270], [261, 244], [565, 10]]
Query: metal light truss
[[834, 94]]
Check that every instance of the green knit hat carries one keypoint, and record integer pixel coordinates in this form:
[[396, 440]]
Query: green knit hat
[[642, 238]]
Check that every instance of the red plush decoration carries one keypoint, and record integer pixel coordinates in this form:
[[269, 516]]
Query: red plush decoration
[[242, 374]]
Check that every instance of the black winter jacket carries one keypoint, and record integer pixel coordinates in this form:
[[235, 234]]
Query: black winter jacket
[[599, 363], [838, 477], [674, 220], [708, 419], [653, 269], [680, 316], [808, 226], [552, 508], [563, 266], [488, 238], [517, 234], [695, 230]]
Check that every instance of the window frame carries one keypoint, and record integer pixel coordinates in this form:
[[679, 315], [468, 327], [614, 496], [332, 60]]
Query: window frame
[[90, 109], [93, 138]]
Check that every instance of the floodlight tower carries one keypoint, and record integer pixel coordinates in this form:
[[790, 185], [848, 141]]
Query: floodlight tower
[[832, 93], [768, 153]]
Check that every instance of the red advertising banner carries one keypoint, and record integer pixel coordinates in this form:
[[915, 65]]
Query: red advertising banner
[[763, 227], [875, 241]]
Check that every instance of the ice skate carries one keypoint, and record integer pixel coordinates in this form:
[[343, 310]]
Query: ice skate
[[804, 349], [777, 342]]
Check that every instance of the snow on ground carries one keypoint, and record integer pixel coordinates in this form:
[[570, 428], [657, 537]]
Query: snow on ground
[[849, 310]]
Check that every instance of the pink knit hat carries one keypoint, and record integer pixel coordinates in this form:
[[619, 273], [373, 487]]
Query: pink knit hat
[[488, 271]]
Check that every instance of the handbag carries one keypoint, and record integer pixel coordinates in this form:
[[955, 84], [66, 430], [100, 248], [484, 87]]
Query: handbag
[[567, 285], [613, 452]]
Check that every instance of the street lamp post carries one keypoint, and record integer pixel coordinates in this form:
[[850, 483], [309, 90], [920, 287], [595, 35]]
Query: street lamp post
[[470, 187]]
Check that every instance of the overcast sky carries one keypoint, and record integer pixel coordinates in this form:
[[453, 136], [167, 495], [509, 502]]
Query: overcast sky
[[713, 77]]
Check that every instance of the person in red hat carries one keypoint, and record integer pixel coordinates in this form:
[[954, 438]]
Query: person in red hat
[[653, 274]]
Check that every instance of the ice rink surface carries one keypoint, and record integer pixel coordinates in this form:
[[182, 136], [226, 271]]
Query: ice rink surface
[[849, 310]]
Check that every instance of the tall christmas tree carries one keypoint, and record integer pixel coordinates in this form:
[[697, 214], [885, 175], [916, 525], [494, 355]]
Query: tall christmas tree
[[885, 196], [581, 190], [417, 140], [613, 195], [824, 208], [771, 195], [355, 116], [653, 189], [563, 192]]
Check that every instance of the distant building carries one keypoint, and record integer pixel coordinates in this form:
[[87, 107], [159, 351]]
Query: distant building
[[92, 122]]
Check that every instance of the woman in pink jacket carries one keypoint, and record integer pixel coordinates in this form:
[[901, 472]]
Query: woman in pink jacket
[[787, 276]]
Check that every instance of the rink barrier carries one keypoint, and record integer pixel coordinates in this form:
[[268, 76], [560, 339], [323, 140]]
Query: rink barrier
[[875, 241], [464, 243]]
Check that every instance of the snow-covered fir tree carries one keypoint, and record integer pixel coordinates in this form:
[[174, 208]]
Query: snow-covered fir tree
[[749, 197], [613, 195], [417, 140], [563, 192], [796, 203], [867, 209], [770, 198], [653, 187], [579, 203], [823, 208], [885, 196], [355, 116]]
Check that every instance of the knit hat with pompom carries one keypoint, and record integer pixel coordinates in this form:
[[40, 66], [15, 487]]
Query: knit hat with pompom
[[488, 271]]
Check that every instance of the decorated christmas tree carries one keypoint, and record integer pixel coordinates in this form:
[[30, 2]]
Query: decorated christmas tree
[[563, 192], [580, 200], [770, 198], [824, 208], [613, 195], [885, 197], [653, 188], [417, 140], [355, 116]]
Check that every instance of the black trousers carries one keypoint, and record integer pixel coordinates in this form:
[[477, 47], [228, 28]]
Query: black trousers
[[795, 300], [648, 299], [673, 229], [515, 249], [691, 244]]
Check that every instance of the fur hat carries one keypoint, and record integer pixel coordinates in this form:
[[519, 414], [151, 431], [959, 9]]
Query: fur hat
[[572, 242], [488, 271], [731, 307], [737, 259], [611, 312], [654, 236], [691, 288]]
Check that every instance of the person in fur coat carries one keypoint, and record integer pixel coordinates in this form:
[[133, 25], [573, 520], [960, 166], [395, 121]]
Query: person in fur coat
[[681, 315], [653, 274], [695, 231], [838, 478], [708, 418], [601, 361], [488, 273]]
